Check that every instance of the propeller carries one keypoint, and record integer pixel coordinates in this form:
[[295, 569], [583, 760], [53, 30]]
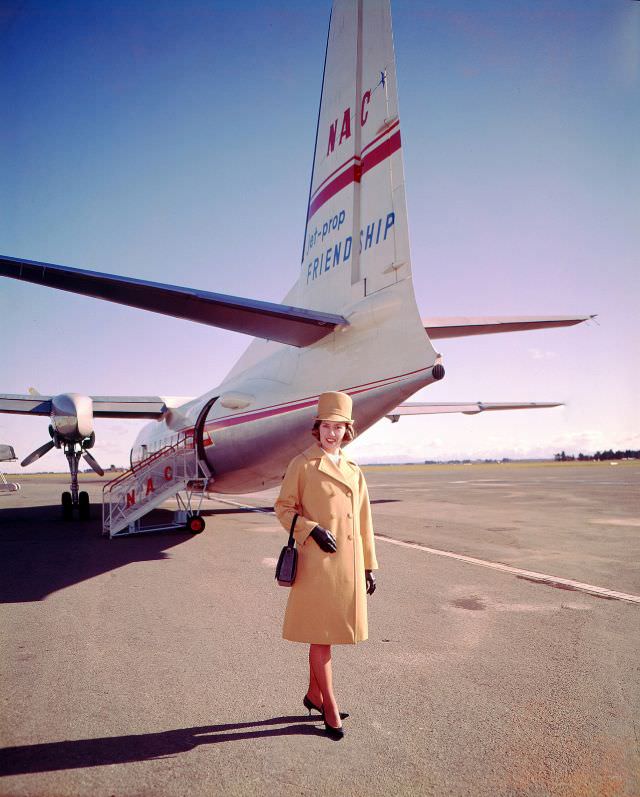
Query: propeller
[[37, 453], [94, 464]]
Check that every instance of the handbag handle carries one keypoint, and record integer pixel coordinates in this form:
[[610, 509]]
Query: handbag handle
[[291, 542]]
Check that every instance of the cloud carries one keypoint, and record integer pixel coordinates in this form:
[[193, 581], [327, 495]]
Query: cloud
[[584, 437], [538, 354], [588, 441]]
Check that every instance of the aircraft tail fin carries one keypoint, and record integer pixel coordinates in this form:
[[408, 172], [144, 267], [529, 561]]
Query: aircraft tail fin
[[356, 238]]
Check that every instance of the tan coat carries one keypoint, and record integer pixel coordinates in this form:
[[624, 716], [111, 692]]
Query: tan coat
[[328, 602]]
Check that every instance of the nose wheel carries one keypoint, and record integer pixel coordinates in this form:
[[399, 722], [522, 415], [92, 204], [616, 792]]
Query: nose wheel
[[67, 506], [82, 504]]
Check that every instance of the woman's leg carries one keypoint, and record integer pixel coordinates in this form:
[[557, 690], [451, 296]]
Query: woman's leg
[[314, 692], [320, 661]]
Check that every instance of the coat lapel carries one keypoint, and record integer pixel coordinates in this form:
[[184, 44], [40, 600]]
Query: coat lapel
[[345, 473], [348, 470]]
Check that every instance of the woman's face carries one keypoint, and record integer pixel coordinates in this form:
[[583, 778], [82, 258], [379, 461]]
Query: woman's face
[[331, 434]]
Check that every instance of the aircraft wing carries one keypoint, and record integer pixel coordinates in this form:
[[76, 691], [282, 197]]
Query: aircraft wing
[[468, 408], [132, 406], [293, 325], [103, 406], [464, 326], [25, 405]]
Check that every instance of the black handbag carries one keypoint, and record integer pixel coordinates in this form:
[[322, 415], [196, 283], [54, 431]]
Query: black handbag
[[288, 561]]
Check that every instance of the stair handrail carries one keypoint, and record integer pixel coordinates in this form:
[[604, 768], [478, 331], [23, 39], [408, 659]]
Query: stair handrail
[[142, 464]]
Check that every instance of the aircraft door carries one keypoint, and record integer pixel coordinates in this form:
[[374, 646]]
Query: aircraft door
[[199, 431]]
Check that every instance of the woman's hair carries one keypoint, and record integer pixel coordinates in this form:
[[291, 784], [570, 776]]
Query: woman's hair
[[349, 432]]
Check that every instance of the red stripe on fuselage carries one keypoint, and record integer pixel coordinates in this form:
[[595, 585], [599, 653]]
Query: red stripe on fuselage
[[281, 409], [268, 412]]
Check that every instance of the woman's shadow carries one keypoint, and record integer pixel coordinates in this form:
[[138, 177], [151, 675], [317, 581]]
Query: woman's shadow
[[81, 753]]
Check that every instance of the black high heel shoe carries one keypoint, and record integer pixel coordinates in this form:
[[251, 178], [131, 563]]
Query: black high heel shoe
[[333, 733], [309, 706]]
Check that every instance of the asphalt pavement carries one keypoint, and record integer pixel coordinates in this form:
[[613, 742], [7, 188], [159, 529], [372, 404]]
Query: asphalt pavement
[[154, 665]]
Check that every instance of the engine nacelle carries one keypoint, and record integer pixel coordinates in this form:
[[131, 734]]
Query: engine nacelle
[[72, 416]]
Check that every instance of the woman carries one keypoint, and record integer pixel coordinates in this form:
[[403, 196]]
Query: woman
[[336, 553]]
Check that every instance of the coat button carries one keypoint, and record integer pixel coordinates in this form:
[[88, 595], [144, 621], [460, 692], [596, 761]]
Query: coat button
[[349, 514], [349, 537]]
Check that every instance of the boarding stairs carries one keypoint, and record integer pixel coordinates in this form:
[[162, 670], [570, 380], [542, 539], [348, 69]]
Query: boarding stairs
[[174, 470]]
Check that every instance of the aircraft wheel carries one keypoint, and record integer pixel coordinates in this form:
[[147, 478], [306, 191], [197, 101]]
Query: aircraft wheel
[[84, 506], [67, 506], [195, 524]]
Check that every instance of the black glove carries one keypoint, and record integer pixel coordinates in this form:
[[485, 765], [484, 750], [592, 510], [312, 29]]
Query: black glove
[[325, 539], [371, 581]]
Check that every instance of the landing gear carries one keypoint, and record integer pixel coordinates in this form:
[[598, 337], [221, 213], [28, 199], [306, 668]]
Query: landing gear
[[74, 499], [67, 506], [195, 524], [83, 506]]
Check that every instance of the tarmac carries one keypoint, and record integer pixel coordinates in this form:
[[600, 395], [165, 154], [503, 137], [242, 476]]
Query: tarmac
[[503, 651]]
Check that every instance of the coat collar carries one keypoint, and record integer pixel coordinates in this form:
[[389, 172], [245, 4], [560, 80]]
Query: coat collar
[[346, 472]]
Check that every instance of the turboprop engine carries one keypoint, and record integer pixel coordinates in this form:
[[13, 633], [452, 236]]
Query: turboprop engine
[[72, 416], [71, 429]]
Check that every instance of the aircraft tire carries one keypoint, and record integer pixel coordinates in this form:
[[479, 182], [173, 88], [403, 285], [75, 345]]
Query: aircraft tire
[[84, 509], [67, 506], [195, 524]]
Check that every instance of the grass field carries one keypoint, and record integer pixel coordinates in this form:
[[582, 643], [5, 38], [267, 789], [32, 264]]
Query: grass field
[[549, 464], [625, 463]]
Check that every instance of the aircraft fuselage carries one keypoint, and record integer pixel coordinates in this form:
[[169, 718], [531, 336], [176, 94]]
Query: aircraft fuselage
[[254, 427]]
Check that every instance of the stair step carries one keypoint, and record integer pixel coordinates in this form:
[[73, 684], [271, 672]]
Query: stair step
[[143, 509]]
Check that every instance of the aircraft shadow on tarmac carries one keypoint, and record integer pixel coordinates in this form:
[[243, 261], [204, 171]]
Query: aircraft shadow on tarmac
[[40, 553], [81, 753]]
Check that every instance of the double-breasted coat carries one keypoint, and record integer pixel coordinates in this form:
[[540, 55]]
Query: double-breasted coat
[[327, 603]]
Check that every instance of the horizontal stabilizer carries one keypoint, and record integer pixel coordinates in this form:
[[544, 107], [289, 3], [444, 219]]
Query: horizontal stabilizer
[[468, 408], [464, 326], [103, 406], [293, 325]]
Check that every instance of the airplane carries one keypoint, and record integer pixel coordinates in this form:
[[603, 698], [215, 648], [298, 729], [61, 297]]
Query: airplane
[[350, 321], [7, 454]]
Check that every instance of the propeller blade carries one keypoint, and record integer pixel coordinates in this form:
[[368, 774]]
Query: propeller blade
[[37, 453], [91, 460]]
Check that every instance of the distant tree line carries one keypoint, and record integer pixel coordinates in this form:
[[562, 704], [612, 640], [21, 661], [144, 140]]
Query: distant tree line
[[598, 456]]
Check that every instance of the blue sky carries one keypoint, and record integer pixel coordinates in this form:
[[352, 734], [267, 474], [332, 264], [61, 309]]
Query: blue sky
[[174, 143]]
